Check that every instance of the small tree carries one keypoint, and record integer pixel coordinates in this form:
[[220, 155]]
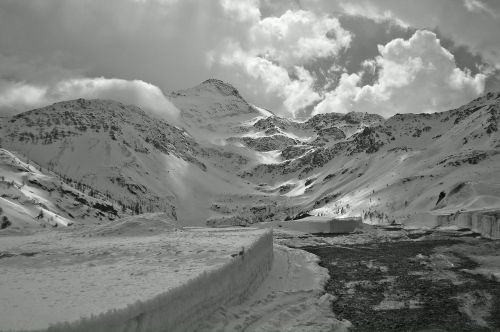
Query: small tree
[[5, 222]]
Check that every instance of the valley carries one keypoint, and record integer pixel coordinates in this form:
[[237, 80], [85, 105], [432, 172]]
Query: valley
[[98, 184]]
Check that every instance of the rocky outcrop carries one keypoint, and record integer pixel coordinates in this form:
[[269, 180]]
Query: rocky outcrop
[[266, 143]]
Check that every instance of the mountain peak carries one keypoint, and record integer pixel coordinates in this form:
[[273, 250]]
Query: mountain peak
[[220, 86]]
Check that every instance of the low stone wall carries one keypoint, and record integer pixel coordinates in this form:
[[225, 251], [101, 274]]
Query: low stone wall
[[182, 308]]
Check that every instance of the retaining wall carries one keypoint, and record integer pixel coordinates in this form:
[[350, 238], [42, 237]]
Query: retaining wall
[[184, 307]]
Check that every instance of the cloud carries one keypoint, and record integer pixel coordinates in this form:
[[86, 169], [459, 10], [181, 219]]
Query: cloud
[[369, 9], [297, 37], [415, 75], [21, 96], [242, 10], [471, 23], [161, 42], [475, 6], [169, 43], [295, 93], [275, 50], [16, 97]]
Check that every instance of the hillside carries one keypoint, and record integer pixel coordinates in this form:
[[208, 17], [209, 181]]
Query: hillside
[[230, 162], [33, 198], [142, 163], [387, 170], [390, 170]]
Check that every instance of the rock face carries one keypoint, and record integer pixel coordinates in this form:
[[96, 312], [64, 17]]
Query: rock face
[[266, 143], [228, 153]]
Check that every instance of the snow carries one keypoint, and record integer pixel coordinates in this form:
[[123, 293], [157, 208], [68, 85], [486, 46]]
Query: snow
[[55, 277], [400, 180], [485, 254], [263, 111], [290, 299], [269, 157], [299, 188], [315, 224], [33, 198]]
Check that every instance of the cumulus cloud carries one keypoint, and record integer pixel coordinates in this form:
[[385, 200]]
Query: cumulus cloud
[[276, 49], [297, 37], [415, 75], [471, 23], [171, 44], [242, 10], [21, 96], [276, 52], [296, 93]]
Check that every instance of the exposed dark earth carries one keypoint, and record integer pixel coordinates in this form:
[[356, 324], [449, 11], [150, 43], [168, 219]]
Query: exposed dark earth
[[412, 285]]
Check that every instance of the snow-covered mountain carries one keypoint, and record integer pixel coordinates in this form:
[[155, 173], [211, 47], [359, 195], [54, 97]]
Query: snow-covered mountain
[[142, 163], [390, 170], [34, 198], [363, 164], [230, 162]]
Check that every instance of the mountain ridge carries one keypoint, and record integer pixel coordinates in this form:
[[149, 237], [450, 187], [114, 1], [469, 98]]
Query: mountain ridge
[[229, 162]]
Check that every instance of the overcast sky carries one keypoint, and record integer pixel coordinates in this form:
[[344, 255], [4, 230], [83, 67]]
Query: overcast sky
[[295, 57]]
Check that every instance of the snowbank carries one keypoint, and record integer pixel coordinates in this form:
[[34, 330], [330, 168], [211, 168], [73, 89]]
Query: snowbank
[[166, 282], [486, 223], [292, 298], [328, 225], [183, 308], [144, 224]]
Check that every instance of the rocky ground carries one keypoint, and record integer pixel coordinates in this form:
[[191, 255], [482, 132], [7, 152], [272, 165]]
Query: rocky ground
[[393, 279]]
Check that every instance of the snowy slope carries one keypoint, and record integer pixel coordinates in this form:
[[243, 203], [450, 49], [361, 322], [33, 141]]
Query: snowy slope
[[214, 109], [395, 169], [32, 198], [142, 163], [230, 162]]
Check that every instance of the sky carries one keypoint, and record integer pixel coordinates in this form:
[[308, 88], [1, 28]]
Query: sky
[[294, 57]]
